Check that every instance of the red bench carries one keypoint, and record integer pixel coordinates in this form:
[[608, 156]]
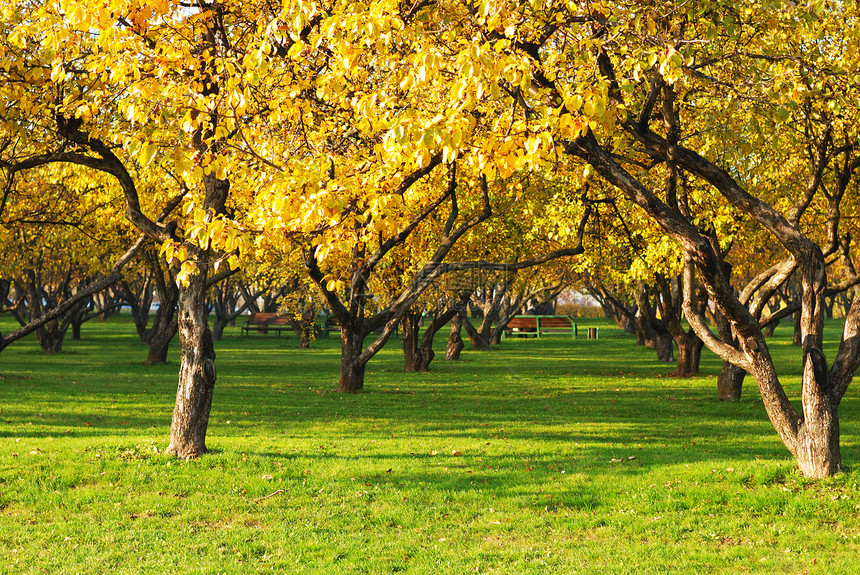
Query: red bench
[[538, 325]]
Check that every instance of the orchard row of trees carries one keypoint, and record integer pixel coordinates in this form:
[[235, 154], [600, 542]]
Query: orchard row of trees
[[685, 160]]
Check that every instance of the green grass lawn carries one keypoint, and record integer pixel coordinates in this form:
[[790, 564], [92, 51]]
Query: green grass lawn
[[550, 456]]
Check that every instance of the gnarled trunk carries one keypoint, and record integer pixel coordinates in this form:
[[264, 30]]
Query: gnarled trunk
[[817, 451], [196, 373], [51, 337], [689, 355], [438, 321], [455, 341], [164, 325], [410, 325], [76, 324], [480, 340], [661, 342], [218, 324], [159, 342], [770, 328], [352, 365], [650, 330], [730, 382]]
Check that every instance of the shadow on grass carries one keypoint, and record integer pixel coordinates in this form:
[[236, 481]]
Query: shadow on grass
[[608, 396]]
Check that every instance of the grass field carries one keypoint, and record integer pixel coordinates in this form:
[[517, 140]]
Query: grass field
[[551, 456]]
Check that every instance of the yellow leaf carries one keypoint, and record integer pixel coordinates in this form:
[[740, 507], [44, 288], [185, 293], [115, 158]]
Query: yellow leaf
[[147, 153]]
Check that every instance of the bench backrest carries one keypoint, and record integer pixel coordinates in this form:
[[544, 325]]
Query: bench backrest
[[523, 323], [556, 322], [546, 322], [263, 316]]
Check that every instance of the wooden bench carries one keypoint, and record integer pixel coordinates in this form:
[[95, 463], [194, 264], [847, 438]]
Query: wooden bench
[[538, 325], [266, 322]]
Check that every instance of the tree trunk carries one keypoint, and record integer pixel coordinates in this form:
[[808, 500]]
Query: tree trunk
[[426, 356], [159, 343], [51, 337], [218, 325], [651, 330], [662, 344], [639, 328], [432, 328], [480, 340], [76, 329], [496, 335], [731, 378], [412, 353], [164, 327], [196, 373], [769, 328], [455, 341], [729, 382], [689, 355], [817, 444], [818, 454], [797, 340], [426, 350], [351, 378]]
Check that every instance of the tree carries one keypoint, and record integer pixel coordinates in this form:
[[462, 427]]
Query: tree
[[120, 90], [812, 435]]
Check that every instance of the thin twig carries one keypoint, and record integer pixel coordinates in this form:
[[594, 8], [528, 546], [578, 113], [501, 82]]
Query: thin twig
[[277, 492]]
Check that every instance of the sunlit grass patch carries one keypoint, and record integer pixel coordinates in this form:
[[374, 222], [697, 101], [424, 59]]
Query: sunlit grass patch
[[559, 455]]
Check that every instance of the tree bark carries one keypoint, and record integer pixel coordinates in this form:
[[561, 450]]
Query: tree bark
[[160, 338], [770, 328], [76, 329], [797, 338], [817, 451], [652, 330], [455, 341], [689, 355], [426, 350], [731, 378], [197, 373], [410, 325], [688, 343], [164, 327], [480, 340], [437, 320], [51, 337], [218, 325], [730, 382], [352, 366]]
